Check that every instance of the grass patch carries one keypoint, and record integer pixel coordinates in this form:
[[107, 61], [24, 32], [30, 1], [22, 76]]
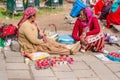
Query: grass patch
[[2, 13], [41, 11]]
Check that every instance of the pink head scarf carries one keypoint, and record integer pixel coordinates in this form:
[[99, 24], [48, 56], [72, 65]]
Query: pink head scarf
[[27, 13], [89, 14]]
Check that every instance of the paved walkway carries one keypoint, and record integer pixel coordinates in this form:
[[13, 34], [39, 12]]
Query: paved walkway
[[86, 67]]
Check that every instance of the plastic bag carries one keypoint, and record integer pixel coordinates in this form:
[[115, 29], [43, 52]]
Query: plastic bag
[[2, 43], [15, 46], [77, 7], [8, 42], [66, 39]]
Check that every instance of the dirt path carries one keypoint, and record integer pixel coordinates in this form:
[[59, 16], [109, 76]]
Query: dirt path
[[57, 19], [44, 20]]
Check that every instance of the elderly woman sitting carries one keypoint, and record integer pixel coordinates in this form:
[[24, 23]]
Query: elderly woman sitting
[[33, 40], [87, 31]]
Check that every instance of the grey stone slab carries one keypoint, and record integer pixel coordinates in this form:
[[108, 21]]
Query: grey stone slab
[[118, 74], [77, 57], [1, 56], [7, 48], [65, 75], [2, 65], [100, 69], [84, 73], [91, 58], [45, 78], [89, 79], [19, 79], [42, 73], [17, 66], [63, 67], [110, 62], [117, 27], [3, 75], [69, 79], [79, 65], [114, 67], [117, 45], [12, 54], [15, 59], [1, 50], [20, 74], [111, 48]]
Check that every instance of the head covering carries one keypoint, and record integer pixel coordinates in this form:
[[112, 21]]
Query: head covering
[[115, 6], [27, 13], [89, 14]]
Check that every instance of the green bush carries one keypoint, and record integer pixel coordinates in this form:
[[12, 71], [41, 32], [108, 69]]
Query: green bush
[[2, 13]]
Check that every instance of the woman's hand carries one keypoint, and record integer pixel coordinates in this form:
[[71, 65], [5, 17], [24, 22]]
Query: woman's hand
[[83, 41], [44, 38]]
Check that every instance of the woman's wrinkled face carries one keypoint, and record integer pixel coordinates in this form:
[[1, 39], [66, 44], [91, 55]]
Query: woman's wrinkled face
[[33, 17], [83, 16]]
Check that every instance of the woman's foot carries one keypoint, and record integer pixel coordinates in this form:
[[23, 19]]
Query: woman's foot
[[68, 46], [82, 50], [105, 51]]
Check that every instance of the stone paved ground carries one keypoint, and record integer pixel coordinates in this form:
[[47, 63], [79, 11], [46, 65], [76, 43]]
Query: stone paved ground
[[86, 67]]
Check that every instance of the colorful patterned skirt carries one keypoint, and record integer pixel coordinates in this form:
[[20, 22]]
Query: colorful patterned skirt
[[95, 42]]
